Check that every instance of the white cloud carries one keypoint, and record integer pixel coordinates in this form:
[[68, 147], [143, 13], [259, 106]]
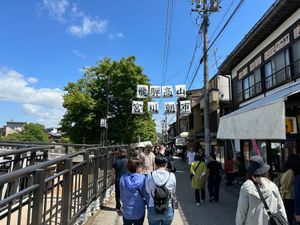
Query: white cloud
[[115, 36], [56, 8], [79, 54], [88, 26], [44, 104], [32, 80], [75, 12]]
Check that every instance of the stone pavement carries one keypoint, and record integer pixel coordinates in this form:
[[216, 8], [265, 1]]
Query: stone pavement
[[188, 213]]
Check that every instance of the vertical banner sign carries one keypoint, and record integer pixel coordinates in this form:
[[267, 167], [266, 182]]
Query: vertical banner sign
[[185, 107], [180, 90], [170, 107], [137, 107], [153, 107], [142, 91], [167, 91], [155, 91]]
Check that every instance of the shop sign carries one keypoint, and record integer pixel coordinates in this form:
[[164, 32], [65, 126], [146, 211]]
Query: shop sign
[[255, 63], [291, 125], [243, 72], [297, 32], [278, 46]]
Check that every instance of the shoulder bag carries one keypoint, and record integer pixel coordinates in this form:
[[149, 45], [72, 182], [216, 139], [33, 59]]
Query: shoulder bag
[[274, 218]]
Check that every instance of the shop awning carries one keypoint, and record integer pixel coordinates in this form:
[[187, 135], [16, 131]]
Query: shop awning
[[263, 119]]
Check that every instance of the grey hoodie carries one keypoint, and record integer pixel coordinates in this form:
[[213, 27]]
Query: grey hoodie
[[158, 178], [250, 208]]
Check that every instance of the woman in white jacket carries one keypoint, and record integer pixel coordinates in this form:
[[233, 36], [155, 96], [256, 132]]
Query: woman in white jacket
[[250, 208]]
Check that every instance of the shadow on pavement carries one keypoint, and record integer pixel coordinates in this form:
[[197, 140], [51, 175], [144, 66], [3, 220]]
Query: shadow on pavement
[[216, 213]]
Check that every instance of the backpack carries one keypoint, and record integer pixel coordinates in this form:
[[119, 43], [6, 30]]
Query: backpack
[[161, 198]]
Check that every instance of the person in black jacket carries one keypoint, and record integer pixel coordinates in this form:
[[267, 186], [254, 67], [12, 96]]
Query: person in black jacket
[[214, 178]]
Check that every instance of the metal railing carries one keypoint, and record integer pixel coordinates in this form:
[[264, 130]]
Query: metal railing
[[56, 191]]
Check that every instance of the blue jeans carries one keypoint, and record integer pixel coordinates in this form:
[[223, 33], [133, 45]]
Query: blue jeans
[[134, 222], [160, 219]]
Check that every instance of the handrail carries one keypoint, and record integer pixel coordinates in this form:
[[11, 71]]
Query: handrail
[[24, 150]]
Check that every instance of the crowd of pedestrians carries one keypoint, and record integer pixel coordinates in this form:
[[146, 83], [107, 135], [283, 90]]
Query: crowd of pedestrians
[[144, 180]]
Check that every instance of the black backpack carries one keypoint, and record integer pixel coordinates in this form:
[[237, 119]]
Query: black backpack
[[161, 198]]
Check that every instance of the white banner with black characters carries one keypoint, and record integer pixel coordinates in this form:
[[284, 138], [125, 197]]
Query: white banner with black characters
[[185, 107], [170, 107], [155, 91], [142, 91], [153, 107], [167, 91], [137, 107], [180, 90]]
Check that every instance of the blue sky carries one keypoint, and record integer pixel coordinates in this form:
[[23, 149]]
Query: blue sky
[[44, 44]]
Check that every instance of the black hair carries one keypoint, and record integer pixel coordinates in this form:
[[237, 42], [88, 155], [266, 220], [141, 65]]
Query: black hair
[[292, 163], [161, 161]]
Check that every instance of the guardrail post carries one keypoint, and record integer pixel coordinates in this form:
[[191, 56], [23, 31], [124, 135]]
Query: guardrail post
[[105, 169], [66, 194], [85, 179], [38, 197], [96, 173]]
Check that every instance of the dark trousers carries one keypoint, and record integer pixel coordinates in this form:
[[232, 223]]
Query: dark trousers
[[133, 222], [197, 195], [289, 208], [117, 195], [214, 188]]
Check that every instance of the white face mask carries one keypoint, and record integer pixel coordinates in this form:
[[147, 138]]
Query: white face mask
[[162, 151]]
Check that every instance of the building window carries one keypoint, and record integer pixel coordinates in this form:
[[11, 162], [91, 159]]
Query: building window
[[296, 57], [252, 84], [277, 70]]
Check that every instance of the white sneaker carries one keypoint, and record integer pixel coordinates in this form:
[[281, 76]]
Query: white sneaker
[[197, 203]]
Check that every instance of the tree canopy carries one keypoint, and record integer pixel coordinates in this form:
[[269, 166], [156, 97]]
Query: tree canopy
[[32, 132], [86, 103]]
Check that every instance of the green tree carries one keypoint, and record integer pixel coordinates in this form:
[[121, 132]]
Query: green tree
[[86, 103], [32, 132]]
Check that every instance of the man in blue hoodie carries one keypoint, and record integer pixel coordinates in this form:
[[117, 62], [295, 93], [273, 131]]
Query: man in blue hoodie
[[133, 194]]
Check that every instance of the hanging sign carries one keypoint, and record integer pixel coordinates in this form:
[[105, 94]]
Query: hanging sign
[[137, 107], [180, 90], [167, 91], [103, 123], [153, 107], [142, 91], [155, 91], [185, 107], [170, 107]]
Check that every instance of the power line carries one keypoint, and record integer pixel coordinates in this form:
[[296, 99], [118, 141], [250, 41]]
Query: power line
[[227, 22], [220, 32]]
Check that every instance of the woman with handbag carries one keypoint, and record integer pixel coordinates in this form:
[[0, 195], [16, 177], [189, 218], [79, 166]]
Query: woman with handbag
[[259, 200], [198, 170]]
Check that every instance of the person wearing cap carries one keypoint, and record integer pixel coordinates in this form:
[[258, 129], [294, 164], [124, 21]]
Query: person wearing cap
[[250, 208], [160, 177]]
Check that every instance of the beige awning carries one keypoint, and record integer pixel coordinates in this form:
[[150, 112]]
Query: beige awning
[[263, 119]]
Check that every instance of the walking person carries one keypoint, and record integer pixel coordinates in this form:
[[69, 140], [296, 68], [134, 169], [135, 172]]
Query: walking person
[[251, 209], [198, 171], [119, 169], [191, 158], [161, 186], [214, 178], [148, 159], [287, 182], [133, 194]]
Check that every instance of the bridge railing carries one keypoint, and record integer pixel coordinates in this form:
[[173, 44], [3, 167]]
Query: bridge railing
[[58, 191]]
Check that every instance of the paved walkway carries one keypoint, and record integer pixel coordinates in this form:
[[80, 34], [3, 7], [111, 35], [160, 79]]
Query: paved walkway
[[221, 213]]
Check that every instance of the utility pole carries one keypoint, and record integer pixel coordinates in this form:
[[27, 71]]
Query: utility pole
[[107, 110], [204, 12]]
